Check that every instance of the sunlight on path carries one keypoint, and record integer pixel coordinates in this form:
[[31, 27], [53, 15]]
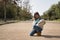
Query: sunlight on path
[[21, 30]]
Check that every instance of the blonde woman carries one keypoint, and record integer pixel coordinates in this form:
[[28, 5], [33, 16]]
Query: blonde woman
[[38, 23]]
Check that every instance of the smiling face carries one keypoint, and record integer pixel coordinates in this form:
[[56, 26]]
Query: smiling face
[[36, 16]]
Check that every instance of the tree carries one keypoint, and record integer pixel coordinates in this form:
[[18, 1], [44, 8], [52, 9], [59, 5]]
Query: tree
[[53, 12], [11, 10]]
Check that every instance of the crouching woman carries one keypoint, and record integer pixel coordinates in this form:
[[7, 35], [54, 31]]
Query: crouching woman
[[38, 23]]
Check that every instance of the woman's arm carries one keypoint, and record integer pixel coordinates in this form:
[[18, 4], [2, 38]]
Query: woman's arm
[[41, 22]]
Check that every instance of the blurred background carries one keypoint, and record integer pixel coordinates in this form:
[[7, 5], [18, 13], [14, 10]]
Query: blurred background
[[20, 13], [24, 9], [14, 9]]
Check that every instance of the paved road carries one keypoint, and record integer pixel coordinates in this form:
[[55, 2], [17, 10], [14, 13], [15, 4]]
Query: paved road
[[21, 30]]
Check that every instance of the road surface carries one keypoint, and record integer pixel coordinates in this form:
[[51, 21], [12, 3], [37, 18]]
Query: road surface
[[21, 30]]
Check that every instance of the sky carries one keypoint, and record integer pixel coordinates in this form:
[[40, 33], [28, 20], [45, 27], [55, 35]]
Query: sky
[[41, 5]]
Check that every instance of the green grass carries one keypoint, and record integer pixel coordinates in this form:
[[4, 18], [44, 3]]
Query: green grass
[[8, 21], [57, 20]]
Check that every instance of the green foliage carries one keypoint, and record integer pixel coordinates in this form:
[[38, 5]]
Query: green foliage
[[13, 11], [53, 13]]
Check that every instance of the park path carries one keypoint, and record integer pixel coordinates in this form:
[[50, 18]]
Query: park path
[[21, 30]]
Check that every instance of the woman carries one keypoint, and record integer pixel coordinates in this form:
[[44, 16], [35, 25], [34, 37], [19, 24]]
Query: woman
[[37, 25]]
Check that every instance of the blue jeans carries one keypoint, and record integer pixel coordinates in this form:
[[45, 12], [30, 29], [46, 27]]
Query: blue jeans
[[35, 30]]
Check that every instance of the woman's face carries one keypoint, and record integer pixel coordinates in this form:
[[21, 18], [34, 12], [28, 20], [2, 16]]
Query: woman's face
[[36, 16]]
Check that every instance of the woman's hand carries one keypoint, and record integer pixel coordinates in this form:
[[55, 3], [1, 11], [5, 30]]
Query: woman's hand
[[42, 23]]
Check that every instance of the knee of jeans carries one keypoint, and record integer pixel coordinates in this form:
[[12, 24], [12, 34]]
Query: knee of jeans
[[31, 34]]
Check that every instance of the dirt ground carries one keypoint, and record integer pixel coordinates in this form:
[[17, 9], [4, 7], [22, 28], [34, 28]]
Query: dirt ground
[[21, 31]]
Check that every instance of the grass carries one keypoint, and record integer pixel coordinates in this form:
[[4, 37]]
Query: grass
[[57, 20], [8, 21]]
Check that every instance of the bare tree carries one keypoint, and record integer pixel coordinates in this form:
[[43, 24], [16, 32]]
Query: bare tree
[[26, 5]]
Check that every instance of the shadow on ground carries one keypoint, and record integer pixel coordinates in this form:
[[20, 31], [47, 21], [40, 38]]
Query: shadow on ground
[[48, 36]]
